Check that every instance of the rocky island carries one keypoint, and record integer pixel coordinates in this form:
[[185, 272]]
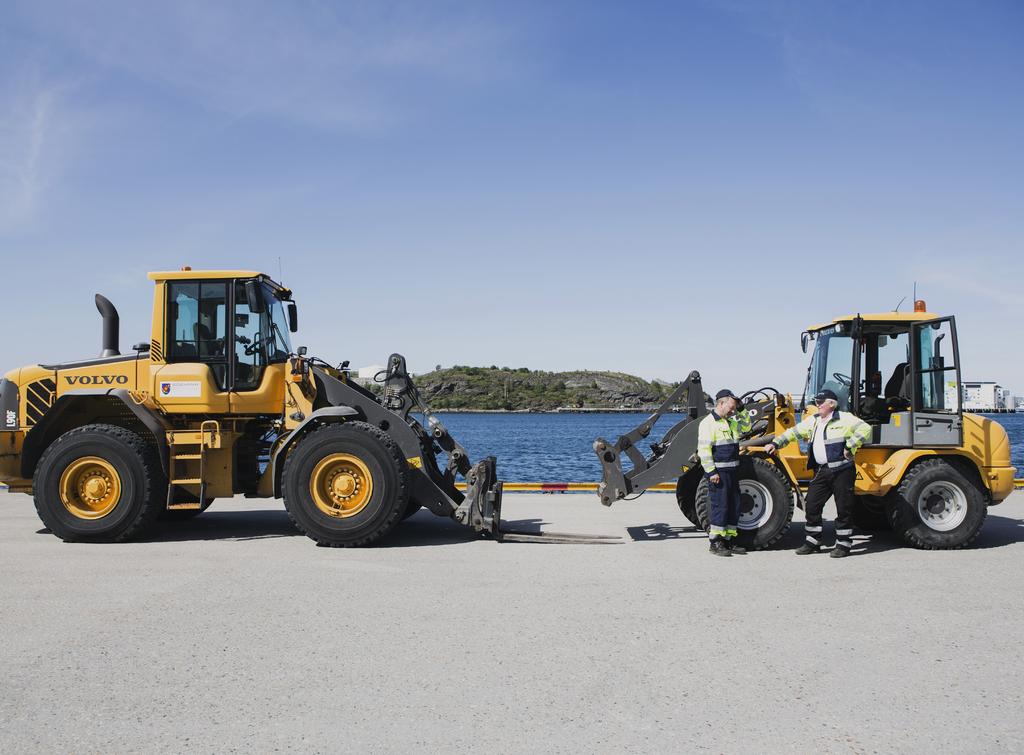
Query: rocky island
[[521, 389]]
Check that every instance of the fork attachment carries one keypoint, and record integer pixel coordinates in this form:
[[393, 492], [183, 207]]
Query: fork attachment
[[481, 508]]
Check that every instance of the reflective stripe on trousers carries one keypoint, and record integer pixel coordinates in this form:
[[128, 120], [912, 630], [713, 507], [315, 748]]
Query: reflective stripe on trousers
[[812, 534]]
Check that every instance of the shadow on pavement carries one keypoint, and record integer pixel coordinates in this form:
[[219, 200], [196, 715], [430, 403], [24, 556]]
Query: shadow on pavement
[[526, 526], [423, 528], [664, 531], [999, 531], [225, 525]]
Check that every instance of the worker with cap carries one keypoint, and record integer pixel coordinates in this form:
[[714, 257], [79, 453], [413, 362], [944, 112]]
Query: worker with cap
[[834, 439], [718, 446]]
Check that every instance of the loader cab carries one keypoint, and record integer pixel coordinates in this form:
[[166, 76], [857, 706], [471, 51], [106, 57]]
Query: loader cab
[[898, 372], [220, 341]]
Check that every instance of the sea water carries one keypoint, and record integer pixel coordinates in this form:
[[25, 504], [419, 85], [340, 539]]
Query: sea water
[[559, 447]]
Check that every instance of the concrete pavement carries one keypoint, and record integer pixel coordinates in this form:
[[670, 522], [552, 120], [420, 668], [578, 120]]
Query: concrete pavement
[[233, 633]]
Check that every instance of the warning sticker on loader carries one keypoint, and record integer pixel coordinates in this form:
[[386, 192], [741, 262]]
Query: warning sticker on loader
[[181, 389]]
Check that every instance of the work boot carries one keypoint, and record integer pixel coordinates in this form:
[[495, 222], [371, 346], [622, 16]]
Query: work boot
[[735, 548], [839, 552], [719, 548], [806, 549]]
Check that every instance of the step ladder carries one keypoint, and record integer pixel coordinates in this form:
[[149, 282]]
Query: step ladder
[[190, 446]]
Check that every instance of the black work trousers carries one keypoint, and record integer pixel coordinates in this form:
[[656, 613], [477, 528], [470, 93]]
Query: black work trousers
[[828, 483]]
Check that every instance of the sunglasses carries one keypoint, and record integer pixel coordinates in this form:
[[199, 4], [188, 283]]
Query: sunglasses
[[820, 401]]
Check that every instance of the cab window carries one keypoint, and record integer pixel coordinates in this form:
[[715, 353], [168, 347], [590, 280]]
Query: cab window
[[893, 363], [936, 369], [831, 366], [279, 344], [197, 316], [250, 354]]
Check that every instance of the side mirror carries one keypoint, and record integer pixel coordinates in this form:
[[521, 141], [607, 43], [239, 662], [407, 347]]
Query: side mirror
[[293, 317], [301, 351], [254, 297], [804, 338]]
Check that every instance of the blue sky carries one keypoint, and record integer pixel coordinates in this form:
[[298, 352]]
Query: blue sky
[[649, 187]]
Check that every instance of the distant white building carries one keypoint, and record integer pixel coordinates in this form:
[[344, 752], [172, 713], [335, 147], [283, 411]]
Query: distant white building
[[986, 396]]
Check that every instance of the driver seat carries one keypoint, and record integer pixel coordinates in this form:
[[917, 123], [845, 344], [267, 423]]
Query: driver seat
[[208, 345], [899, 383], [897, 390]]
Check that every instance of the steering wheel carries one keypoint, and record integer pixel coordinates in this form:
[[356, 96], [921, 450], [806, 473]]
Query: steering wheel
[[766, 394], [250, 345], [252, 348], [844, 380]]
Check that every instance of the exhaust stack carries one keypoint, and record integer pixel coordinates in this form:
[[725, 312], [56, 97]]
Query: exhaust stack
[[111, 326]]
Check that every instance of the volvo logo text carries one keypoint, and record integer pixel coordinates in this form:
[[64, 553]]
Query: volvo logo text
[[96, 379]]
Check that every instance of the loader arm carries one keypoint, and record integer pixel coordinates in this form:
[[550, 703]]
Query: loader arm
[[676, 452], [402, 397], [667, 456]]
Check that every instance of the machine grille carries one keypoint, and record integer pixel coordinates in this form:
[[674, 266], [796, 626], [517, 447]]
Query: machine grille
[[38, 399]]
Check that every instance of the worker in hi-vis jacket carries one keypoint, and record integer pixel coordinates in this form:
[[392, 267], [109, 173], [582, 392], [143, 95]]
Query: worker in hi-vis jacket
[[834, 438], [718, 446]]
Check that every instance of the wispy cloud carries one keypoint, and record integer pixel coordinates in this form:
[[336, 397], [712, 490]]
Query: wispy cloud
[[311, 62], [354, 66], [28, 107], [997, 292]]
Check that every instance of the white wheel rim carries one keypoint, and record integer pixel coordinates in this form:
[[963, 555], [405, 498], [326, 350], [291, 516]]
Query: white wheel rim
[[942, 506], [756, 505]]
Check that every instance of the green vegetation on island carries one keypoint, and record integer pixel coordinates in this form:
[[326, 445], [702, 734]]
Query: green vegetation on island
[[521, 389]]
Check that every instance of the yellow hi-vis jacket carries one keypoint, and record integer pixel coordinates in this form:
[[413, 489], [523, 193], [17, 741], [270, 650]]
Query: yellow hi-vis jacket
[[843, 431], [718, 440]]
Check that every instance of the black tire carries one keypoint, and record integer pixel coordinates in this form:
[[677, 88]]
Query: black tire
[[686, 495], [386, 464], [870, 513], [142, 482], [411, 508], [929, 486], [773, 496]]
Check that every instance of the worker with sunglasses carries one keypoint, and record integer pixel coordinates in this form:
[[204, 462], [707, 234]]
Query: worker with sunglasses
[[834, 438]]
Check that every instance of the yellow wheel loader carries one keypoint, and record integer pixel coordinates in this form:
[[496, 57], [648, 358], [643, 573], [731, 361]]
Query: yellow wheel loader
[[930, 471], [217, 403]]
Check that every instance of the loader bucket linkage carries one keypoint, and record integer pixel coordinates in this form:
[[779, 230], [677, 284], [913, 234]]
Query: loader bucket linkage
[[667, 458], [479, 507], [676, 452]]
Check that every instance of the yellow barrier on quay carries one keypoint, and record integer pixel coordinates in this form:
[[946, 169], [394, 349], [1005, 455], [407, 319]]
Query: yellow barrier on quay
[[591, 487], [584, 487]]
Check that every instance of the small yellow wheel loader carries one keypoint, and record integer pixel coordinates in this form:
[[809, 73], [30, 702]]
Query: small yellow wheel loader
[[216, 404], [930, 471]]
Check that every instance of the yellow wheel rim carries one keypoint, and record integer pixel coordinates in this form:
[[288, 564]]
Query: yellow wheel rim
[[341, 485], [90, 487]]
